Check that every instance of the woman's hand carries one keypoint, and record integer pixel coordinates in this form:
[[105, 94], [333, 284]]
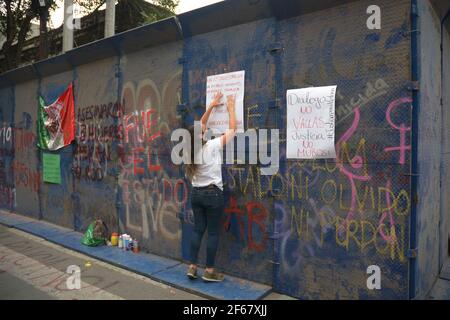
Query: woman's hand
[[231, 132], [214, 103], [216, 100], [231, 100]]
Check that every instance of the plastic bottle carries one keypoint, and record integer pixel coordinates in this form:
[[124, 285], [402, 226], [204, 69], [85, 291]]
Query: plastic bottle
[[121, 242], [125, 242]]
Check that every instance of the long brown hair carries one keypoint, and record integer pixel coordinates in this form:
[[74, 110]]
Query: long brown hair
[[191, 168]]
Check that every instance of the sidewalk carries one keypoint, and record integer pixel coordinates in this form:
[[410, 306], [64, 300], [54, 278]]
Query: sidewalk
[[32, 268], [441, 289], [163, 278], [167, 271]]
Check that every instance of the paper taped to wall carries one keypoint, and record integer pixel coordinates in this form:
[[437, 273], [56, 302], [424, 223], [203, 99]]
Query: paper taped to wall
[[232, 83], [311, 123]]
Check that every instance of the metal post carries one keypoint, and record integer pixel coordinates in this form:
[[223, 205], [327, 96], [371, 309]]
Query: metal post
[[415, 74], [110, 18], [68, 26]]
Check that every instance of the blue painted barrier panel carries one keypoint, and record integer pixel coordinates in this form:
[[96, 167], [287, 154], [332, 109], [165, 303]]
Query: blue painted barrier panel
[[230, 289], [310, 230]]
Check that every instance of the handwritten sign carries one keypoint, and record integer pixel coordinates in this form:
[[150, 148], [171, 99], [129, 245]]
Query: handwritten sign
[[229, 84], [52, 168], [311, 123]]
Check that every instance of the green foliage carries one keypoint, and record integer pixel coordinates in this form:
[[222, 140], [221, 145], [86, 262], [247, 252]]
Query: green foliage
[[133, 13], [16, 17], [170, 5], [89, 5], [17, 10]]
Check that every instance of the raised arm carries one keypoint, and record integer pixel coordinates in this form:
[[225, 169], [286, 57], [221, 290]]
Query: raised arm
[[231, 132], [214, 103]]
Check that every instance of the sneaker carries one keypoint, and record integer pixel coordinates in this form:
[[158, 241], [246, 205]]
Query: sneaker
[[192, 273], [212, 276]]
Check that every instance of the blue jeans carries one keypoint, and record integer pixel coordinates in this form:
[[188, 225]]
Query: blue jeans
[[208, 205]]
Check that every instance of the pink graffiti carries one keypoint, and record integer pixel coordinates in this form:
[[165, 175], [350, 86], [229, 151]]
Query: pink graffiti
[[355, 163], [402, 148]]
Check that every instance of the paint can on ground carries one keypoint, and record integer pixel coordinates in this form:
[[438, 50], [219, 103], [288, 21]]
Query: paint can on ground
[[114, 239], [130, 245], [125, 242], [135, 246]]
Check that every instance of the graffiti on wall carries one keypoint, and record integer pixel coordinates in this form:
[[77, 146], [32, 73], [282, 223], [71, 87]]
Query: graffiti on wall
[[99, 127], [153, 191], [7, 189], [354, 207]]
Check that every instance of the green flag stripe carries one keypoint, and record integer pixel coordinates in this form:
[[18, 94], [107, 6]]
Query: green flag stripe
[[43, 135]]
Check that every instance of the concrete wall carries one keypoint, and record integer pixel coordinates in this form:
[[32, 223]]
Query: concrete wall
[[445, 158], [312, 229], [429, 151]]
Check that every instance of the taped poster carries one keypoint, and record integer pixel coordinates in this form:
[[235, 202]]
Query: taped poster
[[311, 123], [51, 164], [232, 83]]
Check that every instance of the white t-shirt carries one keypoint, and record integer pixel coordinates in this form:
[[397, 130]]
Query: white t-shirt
[[210, 170]]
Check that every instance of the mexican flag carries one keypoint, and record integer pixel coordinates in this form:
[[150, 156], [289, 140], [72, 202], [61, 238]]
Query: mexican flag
[[56, 122]]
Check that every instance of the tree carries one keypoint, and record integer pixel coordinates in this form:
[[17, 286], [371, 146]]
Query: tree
[[41, 9], [15, 24], [170, 5], [16, 17], [133, 13], [91, 5]]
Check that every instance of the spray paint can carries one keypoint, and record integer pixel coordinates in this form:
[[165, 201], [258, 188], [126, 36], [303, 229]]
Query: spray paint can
[[129, 243], [121, 242], [125, 242], [135, 246]]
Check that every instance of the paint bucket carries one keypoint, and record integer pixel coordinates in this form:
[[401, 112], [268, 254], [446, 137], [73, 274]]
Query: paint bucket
[[114, 239]]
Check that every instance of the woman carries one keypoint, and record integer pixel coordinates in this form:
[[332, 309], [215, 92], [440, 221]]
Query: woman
[[207, 190]]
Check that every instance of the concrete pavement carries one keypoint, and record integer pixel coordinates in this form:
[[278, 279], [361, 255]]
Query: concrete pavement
[[32, 268]]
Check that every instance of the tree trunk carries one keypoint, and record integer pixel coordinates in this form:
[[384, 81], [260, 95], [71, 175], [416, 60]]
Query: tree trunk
[[24, 29], [43, 35], [9, 57]]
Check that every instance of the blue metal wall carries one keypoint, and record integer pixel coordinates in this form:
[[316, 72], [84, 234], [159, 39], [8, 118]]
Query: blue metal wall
[[312, 229], [370, 187], [7, 190], [27, 175], [246, 248]]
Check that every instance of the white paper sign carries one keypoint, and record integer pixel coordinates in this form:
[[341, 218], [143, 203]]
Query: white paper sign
[[311, 123], [229, 84]]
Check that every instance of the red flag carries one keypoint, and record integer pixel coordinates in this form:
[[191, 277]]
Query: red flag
[[56, 122]]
